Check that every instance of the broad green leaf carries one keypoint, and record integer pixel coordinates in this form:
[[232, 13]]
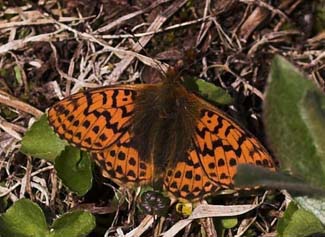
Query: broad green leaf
[[209, 91], [286, 219], [73, 224], [74, 168], [290, 137], [23, 219], [316, 206], [312, 109], [213, 93], [40, 141], [298, 223]]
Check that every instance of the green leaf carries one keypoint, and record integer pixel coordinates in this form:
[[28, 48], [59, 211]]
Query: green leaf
[[26, 219], [213, 93], [18, 75], [291, 139], [285, 220], [229, 222], [73, 224], [74, 168], [316, 206], [298, 223], [224, 223], [312, 109], [209, 91], [40, 141], [23, 218], [72, 165]]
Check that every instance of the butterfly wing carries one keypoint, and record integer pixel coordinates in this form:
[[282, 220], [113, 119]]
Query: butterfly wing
[[99, 121], [122, 163], [187, 180], [95, 119], [219, 145], [222, 145]]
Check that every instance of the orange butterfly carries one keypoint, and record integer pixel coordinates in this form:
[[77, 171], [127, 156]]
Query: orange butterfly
[[140, 134]]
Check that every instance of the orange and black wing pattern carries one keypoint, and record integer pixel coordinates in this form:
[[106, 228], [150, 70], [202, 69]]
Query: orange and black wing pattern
[[99, 121], [219, 146], [187, 180], [223, 145], [122, 163], [94, 120]]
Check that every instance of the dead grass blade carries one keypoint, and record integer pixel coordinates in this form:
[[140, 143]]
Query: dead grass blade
[[204, 211]]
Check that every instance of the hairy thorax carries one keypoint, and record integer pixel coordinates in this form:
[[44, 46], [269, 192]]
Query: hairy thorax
[[164, 124]]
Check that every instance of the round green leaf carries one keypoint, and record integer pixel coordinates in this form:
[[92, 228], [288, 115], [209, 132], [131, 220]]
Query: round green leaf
[[73, 224], [23, 219], [74, 168], [229, 222], [41, 141]]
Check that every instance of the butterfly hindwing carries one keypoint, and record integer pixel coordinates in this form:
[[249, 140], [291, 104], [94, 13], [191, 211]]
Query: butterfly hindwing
[[122, 164], [94, 120], [187, 180]]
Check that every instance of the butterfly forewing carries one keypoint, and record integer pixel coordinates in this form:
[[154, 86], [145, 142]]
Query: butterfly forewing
[[222, 145], [94, 120]]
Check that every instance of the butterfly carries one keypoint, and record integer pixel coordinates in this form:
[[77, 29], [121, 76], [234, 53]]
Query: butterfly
[[146, 133]]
